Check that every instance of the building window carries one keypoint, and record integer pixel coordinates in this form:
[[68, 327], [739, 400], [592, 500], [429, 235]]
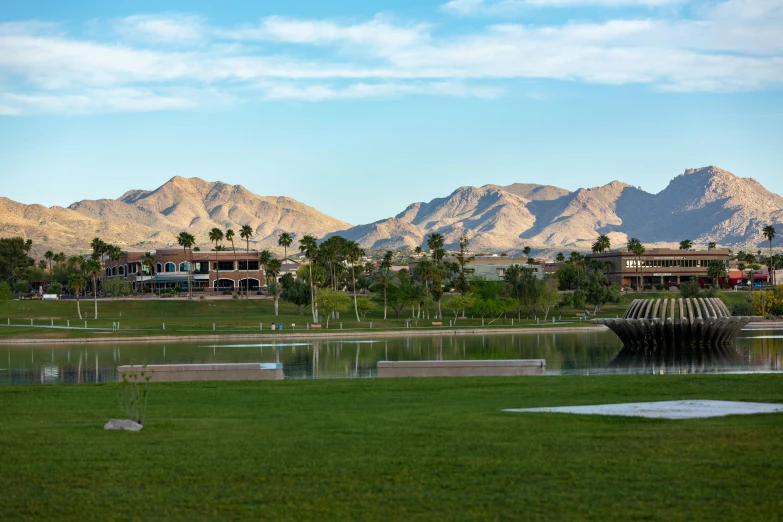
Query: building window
[[201, 267], [158, 268], [501, 272], [248, 265], [171, 267], [121, 270], [223, 265], [184, 267]]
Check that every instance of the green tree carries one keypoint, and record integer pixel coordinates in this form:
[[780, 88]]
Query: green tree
[[352, 254], [49, 255], [637, 249], [5, 291], [435, 243], [716, 270], [330, 301], [75, 286], [527, 250], [457, 303], [309, 246], [686, 244], [462, 284], [246, 232], [711, 245], [384, 278], [560, 258], [285, 240], [602, 244], [295, 292], [93, 270], [274, 288], [216, 236], [186, 241], [148, 260], [548, 296], [365, 305], [769, 234]]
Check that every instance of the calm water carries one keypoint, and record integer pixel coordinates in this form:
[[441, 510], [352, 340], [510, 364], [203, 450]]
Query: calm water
[[565, 353]]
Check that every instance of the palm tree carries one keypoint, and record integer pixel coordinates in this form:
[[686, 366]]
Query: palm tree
[[93, 270], [246, 232], [686, 244], [769, 234], [75, 286], [264, 257], [353, 253], [148, 260], [49, 255], [385, 276], [186, 241], [527, 251], [637, 248], [216, 235], [435, 243], [711, 245], [309, 246], [285, 240], [560, 257], [602, 244], [273, 267], [230, 237]]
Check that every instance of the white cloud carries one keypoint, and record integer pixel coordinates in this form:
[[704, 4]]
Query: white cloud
[[734, 45], [499, 7]]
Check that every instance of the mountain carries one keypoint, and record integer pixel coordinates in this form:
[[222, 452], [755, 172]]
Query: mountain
[[145, 219], [706, 204], [703, 205]]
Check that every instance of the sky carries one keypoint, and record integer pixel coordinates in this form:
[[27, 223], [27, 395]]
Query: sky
[[361, 107]]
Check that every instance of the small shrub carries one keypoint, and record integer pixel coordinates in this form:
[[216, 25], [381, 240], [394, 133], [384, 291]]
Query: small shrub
[[235, 296], [132, 393], [741, 308], [227, 292]]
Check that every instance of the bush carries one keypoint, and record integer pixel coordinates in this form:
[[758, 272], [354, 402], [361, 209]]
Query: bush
[[54, 288], [741, 308], [235, 296], [5, 292], [227, 292], [691, 289], [659, 287]]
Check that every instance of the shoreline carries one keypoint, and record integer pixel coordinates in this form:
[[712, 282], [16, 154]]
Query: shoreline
[[309, 335]]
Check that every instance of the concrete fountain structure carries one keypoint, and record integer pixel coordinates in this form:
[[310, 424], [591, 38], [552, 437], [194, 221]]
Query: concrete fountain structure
[[676, 322]]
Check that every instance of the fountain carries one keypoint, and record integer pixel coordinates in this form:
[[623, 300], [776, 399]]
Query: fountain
[[672, 322]]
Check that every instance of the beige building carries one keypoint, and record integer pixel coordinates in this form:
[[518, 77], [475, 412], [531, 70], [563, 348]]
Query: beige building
[[661, 266]]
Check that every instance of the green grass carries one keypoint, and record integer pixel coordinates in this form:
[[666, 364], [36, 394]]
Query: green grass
[[145, 317], [418, 449]]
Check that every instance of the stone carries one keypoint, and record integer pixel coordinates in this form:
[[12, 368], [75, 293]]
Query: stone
[[123, 424], [688, 409]]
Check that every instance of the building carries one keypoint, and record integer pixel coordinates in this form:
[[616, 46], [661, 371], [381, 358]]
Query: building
[[493, 268], [660, 266], [222, 270]]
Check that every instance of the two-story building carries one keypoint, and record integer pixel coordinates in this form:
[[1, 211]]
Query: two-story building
[[173, 267], [660, 266]]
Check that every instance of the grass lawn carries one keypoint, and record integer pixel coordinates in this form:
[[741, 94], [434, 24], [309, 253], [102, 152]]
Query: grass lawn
[[391, 449], [145, 317]]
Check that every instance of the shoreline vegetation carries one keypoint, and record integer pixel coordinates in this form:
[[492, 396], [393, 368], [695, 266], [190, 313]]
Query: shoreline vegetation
[[172, 320]]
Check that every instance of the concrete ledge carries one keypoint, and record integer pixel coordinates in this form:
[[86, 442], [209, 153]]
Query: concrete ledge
[[207, 372], [492, 368]]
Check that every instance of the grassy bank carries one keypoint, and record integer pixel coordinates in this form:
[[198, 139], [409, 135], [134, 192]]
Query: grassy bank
[[146, 317], [391, 449]]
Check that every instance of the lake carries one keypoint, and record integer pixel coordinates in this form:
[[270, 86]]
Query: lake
[[588, 353]]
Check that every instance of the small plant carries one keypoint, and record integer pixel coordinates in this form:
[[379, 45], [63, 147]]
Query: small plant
[[132, 393]]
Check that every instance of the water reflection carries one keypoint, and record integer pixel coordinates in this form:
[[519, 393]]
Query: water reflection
[[565, 353]]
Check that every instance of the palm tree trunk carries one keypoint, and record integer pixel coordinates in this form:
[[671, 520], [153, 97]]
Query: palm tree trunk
[[78, 306], [276, 304], [355, 306], [312, 296], [95, 295], [190, 275], [384, 303]]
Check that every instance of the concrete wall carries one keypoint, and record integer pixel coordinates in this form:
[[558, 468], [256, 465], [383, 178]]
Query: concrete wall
[[205, 372], [494, 368]]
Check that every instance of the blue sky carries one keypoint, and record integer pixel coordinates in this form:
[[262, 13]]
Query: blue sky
[[359, 108]]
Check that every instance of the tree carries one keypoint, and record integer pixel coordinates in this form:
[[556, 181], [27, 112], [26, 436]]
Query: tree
[[716, 270], [686, 244], [230, 237], [49, 255], [384, 279], [264, 257], [435, 243], [295, 292], [548, 296], [462, 285], [273, 288], [309, 246], [285, 240], [246, 232], [352, 254], [602, 244], [330, 301], [186, 241], [396, 297], [637, 249], [711, 245], [457, 303], [216, 236], [598, 292], [769, 233], [93, 270], [560, 257], [75, 286], [365, 305], [527, 251], [148, 260]]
